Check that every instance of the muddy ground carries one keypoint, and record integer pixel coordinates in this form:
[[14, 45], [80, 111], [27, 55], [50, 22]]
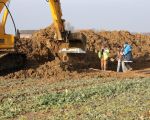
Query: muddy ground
[[43, 62]]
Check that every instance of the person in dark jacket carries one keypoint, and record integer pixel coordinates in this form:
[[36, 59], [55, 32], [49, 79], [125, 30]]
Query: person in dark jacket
[[127, 57]]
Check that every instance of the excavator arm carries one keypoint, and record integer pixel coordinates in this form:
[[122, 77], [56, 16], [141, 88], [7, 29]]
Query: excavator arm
[[72, 43], [56, 12], [5, 15]]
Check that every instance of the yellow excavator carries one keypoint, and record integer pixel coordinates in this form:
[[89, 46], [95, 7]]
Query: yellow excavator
[[9, 58], [73, 45]]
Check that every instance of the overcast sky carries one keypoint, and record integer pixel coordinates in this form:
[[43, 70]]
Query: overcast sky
[[132, 15]]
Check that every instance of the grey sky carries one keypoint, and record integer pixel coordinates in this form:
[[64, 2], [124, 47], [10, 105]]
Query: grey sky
[[132, 15]]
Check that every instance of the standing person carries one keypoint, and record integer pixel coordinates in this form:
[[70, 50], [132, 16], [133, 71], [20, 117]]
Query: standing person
[[119, 57], [103, 54], [127, 57]]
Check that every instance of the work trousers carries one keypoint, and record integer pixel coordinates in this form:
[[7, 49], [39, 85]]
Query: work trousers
[[119, 66], [125, 66]]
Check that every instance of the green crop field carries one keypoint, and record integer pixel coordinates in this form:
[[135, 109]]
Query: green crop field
[[93, 99]]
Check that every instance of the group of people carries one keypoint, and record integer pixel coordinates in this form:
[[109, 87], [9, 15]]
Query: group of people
[[124, 57]]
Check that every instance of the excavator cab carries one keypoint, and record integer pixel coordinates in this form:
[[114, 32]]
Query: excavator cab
[[6, 42]]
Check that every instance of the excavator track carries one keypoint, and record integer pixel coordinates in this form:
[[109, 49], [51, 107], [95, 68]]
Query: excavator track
[[12, 62]]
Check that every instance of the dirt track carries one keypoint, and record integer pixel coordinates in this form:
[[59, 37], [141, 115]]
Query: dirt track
[[44, 63]]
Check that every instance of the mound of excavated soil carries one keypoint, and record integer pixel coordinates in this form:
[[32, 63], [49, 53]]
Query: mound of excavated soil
[[140, 44], [43, 61], [39, 46]]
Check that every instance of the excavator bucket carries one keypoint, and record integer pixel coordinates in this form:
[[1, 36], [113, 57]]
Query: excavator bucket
[[74, 50], [76, 44]]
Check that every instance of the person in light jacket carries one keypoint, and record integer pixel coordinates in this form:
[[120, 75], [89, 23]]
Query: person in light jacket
[[127, 57]]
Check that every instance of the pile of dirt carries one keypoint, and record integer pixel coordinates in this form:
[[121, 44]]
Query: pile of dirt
[[43, 62], [139, 42], [40, 46]]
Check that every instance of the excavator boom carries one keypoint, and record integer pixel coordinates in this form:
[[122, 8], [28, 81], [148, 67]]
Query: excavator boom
[[7, 41], [2, 5]]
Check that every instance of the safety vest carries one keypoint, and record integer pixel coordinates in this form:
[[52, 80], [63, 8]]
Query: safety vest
[[105, 54]]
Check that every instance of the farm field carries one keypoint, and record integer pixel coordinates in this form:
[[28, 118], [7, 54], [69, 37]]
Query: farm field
[[95, 98]]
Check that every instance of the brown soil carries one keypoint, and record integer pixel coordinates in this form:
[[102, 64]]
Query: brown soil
[[43, 62]]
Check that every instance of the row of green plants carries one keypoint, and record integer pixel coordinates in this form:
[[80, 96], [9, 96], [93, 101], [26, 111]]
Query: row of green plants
[[12, 107]]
